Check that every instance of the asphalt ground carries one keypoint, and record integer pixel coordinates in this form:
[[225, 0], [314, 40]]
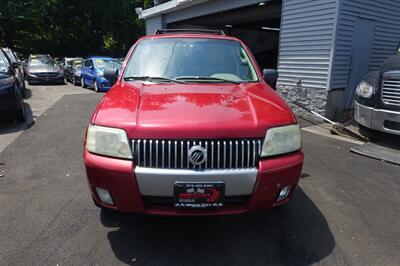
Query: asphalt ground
[[345, 212]]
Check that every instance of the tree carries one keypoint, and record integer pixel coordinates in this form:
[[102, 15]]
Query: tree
[[70, 27]]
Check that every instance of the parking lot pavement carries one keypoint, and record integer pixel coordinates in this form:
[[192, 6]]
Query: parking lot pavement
[[38, 100], [345, 212]]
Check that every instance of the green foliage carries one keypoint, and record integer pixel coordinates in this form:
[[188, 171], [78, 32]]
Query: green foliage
[[70, 27], [147, 4]]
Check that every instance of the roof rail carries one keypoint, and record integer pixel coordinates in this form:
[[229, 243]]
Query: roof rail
[[166, 31]]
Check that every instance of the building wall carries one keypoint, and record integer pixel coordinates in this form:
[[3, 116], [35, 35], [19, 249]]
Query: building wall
[[154, 23], [306, 50], [385, 15]]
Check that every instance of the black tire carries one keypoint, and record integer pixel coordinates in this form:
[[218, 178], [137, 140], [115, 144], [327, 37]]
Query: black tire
[[24, 93], [83, 84], [21, 110], [95, 87]]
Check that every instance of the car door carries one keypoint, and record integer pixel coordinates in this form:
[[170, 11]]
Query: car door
[[85, 71], [93, 73]]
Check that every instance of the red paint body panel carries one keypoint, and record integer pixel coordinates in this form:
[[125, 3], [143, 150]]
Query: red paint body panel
[[191, 111]]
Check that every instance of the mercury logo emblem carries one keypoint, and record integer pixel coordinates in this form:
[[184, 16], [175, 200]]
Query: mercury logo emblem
[[197, 155]]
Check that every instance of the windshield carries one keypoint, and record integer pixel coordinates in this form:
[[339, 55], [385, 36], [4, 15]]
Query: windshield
[[102, 64], [78, 64], [42, 62], [188, 58], [4, 65]]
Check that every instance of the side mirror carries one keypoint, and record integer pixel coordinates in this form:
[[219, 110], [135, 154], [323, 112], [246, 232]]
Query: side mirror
[[111, 74], [271, 77], [16, 64]]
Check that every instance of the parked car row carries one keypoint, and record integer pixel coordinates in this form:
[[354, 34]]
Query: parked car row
[[12, 88], [89, 72], [44, 69]]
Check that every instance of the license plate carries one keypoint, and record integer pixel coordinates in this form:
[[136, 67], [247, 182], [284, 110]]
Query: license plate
[[199, 195]]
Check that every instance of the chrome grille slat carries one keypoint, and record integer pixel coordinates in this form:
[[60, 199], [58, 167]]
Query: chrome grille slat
[[391, 91], [237, 154], [169, 154], [212, 154], [219, 153], [181, 154], [150, 151], [162, 153], [144, 153], [173, 154]]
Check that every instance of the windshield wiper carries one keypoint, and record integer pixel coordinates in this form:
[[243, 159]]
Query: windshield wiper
[[150, 78], [205, 79]]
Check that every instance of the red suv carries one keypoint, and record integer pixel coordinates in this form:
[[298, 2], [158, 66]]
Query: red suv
[[192, 128]]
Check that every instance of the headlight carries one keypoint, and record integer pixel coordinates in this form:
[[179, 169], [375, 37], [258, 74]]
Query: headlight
[[108, 141], [280, 140], [365, 90]]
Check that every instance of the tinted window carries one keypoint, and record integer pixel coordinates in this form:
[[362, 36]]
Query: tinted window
[[88, 63], [177, 58]]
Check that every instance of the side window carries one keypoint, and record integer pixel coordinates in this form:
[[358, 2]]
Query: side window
[[87, 63]]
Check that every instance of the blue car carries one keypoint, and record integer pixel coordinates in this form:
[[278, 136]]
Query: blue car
[[93, 70]]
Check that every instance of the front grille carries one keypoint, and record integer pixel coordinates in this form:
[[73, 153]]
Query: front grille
[[173, 154], [391, 91], [46, 74]]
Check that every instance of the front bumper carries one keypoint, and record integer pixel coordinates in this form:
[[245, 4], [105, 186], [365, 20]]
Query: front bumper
[[45, 79], [125, 182], [377, 119]]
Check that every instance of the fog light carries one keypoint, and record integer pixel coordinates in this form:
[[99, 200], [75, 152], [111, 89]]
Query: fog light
[[105, 196], [283, 193]]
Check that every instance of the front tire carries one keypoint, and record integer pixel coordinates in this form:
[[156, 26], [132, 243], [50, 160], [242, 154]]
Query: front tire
[[21, 110], [96, 88], [24, 94], [83, 83]]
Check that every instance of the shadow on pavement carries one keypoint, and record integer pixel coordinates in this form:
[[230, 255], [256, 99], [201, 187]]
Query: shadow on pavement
[[8, 126], [296, 234]]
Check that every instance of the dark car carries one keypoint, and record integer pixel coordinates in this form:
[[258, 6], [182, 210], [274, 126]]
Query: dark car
[[44, 70], [73, 71], [65, 62], [13, 57], [11, 99], [377, 104]]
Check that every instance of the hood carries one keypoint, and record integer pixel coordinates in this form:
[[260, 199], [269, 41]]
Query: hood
[[44, 69], [192, 111]]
